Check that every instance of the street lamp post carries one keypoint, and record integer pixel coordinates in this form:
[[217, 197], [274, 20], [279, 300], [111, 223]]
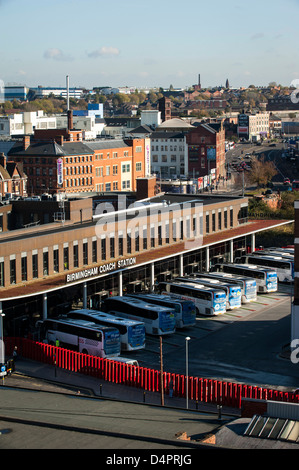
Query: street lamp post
[[2, 355], [187, 340]]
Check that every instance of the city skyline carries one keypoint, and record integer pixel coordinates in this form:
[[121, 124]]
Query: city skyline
[[148, 44]]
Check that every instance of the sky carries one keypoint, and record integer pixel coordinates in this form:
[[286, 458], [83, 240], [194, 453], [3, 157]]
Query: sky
[[154, 43]]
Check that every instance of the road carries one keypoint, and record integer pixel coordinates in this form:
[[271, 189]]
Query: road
[[285, 168], [243, 345]]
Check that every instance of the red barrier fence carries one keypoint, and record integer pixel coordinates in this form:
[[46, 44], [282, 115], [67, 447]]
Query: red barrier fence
[[199, 389]]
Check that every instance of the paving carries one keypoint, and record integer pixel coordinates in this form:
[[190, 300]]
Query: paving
[[44, 407]]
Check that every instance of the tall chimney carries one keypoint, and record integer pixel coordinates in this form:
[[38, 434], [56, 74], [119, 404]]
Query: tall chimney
[[70, 125], [67, 94]]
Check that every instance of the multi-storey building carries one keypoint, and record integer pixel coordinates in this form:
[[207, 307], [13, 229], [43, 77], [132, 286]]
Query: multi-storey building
[[60, 161], [206, 150], [108, 251], [13, 180], [169, 154], [253, 125], [15, 125]]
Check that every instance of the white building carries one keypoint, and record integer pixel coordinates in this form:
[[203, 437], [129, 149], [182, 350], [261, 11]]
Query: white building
[[90, 125], [43, 92], [151, 118], [254, 125], [25, 123]]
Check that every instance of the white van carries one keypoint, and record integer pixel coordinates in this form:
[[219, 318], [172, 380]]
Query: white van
[[130, 362]]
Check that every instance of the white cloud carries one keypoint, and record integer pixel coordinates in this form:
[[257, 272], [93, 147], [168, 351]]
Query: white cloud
[[57, 54], [104, 51], [257, 36]]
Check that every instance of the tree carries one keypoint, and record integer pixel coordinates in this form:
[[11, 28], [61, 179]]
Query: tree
[[262, 172]]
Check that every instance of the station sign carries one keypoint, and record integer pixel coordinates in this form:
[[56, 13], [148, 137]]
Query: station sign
[[102, 269]]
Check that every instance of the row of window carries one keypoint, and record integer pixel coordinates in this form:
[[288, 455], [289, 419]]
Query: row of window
[[78, 182], [83, 158], [211, 221], [106, 248], [163, 148], [165, 158], [114, 186], [77, 170], [101, 156]]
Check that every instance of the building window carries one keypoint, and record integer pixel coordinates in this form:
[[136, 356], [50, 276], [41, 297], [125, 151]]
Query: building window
[[174, 230], [108, 187], [231, 217], [138, 166], [129, 243], [94, 251], [45, 263], [125, 168], [213, 222], [76, 256], [120, 246], [219, 221], [207, 223], [112, 247], [12, 271], [144, 239], [115, 169], [160, 234], [152, 237], [56, 261], [24, 268], [34, 266], [166, 233], [103, 248], [137, 242], [66, 257], [2, 274], [85, 253], [225, 219]]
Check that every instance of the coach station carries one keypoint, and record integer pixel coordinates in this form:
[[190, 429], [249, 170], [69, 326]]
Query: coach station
[[104, 245]]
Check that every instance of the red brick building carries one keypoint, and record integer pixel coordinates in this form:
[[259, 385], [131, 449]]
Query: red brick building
[[13, 180], [59, 161], [206, 150]]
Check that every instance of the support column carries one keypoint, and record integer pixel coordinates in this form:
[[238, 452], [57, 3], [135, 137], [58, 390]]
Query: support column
[[231, 251], [207, 258], [152, 276], [45, 306], [252, 242], [84, 295], [120, 283], [181, 265], [2, 346]]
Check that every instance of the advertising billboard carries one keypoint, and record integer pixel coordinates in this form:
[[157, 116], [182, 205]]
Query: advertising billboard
[[59, 171]]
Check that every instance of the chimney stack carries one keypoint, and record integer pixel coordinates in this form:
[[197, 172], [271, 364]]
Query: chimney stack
[[26, 142], [70, 124], [3, 160]]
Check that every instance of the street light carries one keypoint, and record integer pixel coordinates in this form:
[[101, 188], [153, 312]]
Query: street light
[[2, 355], [187, 340]]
